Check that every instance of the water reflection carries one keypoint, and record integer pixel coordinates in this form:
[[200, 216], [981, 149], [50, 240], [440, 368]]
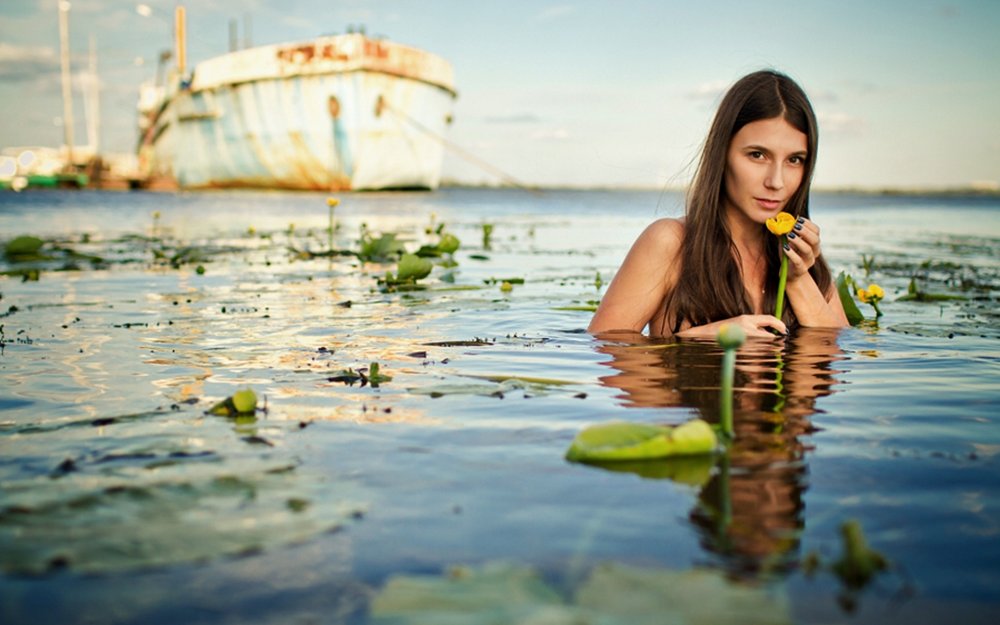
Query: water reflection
[[750, 511]]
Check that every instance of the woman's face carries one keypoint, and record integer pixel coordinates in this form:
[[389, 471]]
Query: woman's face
[[764, 168]]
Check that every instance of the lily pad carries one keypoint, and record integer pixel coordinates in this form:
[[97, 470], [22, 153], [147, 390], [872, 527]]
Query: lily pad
[[448, 244], [613, 594], [412, 267], [623, 440], [381, 249], [241, 403], [24, 248]]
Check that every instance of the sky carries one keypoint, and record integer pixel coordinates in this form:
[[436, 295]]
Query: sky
[[582, 93]]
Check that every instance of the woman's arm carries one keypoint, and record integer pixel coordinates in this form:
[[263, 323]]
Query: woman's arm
[[813, 308], [755, 326], [643, 280]]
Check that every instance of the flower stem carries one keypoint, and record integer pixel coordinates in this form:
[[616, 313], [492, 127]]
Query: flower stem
[[329, 231], [779, 305], [878, 313], [726, 393]]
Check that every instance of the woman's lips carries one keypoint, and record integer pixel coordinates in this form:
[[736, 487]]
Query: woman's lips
[[768, 204]]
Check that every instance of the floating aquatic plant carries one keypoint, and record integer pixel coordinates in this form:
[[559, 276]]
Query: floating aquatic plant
[[845, 284], [447, 244], [383, 249], [25, 248], [609, 594], [409, 269], [872, 295], [331, 203], [349, 376], [375, 376], [621, 440], [857, 566], [859, 563], [868, 263], [780, 225], [240, 403], [502, 280], [914, 294]]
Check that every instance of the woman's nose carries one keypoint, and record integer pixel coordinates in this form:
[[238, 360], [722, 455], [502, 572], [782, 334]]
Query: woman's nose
[[775, 178]]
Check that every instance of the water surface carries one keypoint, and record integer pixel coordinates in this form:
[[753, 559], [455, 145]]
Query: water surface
[[122, 501]]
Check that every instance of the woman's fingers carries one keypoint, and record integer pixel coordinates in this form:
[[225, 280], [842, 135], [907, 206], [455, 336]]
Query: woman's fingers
[[803, 246], [761, 325]]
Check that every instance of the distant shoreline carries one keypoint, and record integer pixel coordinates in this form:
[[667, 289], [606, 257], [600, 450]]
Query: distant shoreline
[[882, 191]]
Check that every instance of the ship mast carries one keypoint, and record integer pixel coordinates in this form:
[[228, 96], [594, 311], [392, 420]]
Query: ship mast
[[180, 39], [66, 91]]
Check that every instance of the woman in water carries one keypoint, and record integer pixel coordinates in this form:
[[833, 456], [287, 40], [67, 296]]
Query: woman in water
[[719, 263]]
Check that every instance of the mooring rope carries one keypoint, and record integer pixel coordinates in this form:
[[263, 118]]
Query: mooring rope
[[511, 180]]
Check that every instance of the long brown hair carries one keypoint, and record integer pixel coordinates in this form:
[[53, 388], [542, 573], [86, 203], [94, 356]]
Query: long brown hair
[[710, 286]]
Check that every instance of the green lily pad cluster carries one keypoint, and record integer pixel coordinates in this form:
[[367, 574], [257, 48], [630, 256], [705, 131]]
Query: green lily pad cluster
[[409, 269], [383, 249], [915, 294], [28, 255], [373, 376]]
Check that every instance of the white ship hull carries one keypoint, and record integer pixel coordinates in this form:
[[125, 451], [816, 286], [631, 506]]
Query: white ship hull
[[336, 113]]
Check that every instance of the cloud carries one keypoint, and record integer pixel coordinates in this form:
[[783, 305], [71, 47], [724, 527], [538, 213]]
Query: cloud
[[555, 12], [26, 63], [514, 118], [551, 134], [708, 90], [823, 96], [840, 124]]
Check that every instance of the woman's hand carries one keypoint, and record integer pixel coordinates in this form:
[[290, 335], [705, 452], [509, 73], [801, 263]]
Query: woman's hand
[[759, 326], [803, 248]]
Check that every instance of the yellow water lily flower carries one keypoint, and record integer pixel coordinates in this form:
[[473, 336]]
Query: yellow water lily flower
[[332, 201], [872, 294], [780, 224]]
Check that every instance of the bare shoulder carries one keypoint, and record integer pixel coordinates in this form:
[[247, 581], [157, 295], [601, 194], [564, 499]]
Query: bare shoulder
[[663, 236], [646, 276]]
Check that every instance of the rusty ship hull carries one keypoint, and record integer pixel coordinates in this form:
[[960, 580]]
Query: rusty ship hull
[[343, 112]]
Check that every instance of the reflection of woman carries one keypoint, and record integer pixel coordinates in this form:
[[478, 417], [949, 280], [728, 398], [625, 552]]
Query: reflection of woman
[[751, 511], [719, 263]]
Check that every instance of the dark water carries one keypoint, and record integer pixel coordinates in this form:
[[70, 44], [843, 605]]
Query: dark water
[[442, 495]]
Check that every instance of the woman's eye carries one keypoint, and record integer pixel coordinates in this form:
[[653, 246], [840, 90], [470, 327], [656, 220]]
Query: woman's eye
[[756, 154], [797, 160]]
